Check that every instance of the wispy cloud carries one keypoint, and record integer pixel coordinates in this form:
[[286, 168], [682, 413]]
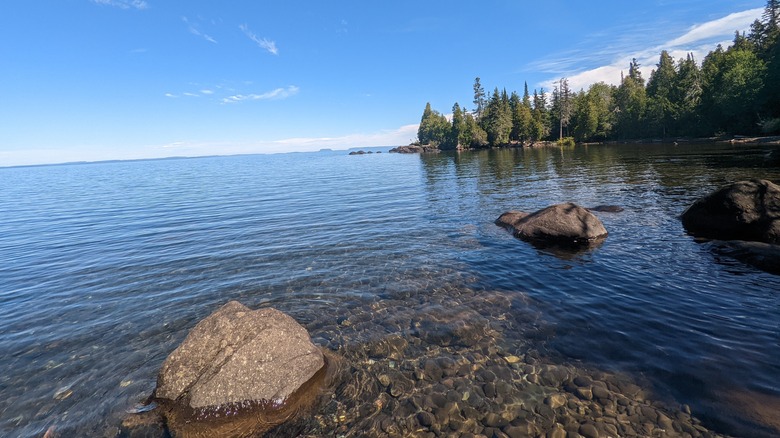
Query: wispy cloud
[[614, 58], [263, 43], [387, 137], [123, 4], [717, 28], [277, 94], [195, 30]]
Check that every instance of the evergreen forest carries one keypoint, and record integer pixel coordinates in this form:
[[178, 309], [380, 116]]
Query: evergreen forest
[[733, 91]]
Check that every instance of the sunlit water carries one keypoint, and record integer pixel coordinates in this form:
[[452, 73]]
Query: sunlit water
[[105, 267]]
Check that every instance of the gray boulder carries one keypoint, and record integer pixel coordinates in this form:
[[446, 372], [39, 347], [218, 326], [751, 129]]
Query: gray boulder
[[561, 223], [745, 210], [239, 356]]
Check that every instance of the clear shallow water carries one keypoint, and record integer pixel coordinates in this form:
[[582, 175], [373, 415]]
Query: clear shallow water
[[105, 267]]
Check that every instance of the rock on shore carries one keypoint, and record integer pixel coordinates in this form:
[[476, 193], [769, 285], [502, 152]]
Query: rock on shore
[[414, 149], [561, 223]]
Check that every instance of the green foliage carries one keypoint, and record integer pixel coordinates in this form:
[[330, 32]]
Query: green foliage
[[630, 105], [497, 120], [593, 117], [662, 105], [479, 98], [434, 128], [540, 118], [566, 141], [736, 90], [732, 83]]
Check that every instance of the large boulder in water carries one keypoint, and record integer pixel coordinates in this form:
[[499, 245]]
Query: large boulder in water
[[238, 360], [561, 223], [745, 210]]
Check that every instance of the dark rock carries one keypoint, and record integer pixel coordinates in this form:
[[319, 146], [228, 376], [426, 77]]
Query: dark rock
[[567, 223], [414, 149], [582, 381], [601, 393], [607, 208], [764, 256], [490, 390], [588, 430], [746, 210], [425, 419], [357, 153]]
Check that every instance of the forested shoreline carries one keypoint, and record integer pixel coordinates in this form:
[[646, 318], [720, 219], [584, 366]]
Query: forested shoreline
[[734, 91]]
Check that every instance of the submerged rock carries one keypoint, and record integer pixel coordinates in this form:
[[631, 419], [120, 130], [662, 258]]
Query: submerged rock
[[561, 223], [239, 361], [745, 210], [764, 256], [607, 208]]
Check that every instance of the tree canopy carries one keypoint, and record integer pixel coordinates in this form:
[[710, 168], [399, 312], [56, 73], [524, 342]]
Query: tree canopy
[[735, 90]]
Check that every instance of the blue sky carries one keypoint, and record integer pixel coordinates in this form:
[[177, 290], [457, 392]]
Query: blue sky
[[87, 80]]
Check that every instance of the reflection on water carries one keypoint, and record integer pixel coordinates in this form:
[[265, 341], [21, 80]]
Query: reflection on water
[[394, 262]]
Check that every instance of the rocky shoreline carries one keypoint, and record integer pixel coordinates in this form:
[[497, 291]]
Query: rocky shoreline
[[452, 361], [439, 360], [741, 140]]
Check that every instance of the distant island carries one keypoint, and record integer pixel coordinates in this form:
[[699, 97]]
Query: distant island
[[735, 91]]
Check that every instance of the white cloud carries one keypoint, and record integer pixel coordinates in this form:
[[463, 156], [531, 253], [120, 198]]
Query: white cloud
[[279, 93], [188, 148], [207, 92], [699, 40], [123, 4], [717, 28], [263, 43], [193, 28], [388, 137]]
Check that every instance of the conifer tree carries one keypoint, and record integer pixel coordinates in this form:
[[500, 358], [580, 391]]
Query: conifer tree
[[662, 104], [479, 98]]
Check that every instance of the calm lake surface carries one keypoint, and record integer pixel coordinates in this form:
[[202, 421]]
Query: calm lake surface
[[105, 267]]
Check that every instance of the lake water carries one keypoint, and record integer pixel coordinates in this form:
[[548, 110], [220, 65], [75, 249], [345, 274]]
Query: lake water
[[105, 267]]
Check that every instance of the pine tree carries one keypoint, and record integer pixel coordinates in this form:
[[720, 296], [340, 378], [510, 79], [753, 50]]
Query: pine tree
[[733, 81], [434, 128], [687, 95], [497, 120], [662, 102], [540, 128], [457, 137], [771, 15], [479, 98], [562, 106]]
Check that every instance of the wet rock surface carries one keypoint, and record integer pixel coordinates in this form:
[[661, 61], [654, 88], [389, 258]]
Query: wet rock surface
[[745, 210], [560, 223]]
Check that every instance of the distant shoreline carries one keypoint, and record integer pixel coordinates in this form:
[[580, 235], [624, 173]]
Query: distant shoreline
[[736, 140]]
